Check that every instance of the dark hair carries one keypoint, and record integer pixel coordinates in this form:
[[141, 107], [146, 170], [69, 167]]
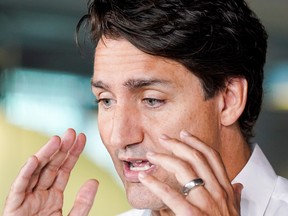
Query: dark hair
[[214, 39]]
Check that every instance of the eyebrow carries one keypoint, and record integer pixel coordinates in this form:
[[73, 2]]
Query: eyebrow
[[100, 84], [132, 84], [140, 83]]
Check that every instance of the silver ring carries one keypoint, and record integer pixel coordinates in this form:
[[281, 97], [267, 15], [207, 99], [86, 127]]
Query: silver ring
[[192, 184]]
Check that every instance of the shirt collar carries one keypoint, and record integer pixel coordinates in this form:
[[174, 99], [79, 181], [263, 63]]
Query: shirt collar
[[258, 179]]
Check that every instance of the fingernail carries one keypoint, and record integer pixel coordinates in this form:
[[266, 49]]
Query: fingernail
[[150, 154], [164, 137], [185, 133], [142, 175]]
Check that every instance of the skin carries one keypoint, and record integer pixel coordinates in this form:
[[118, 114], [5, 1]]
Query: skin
[[38, 188], [135, 119], [150, 109]]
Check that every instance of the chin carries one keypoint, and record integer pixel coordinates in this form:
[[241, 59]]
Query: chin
[[140, 197]]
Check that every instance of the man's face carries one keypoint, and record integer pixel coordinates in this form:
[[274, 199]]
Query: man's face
[[140, 98]]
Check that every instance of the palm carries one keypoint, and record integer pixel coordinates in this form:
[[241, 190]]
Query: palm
[[48, 202], [39, 187]]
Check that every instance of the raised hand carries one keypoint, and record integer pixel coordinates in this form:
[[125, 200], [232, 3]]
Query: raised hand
[[191, 159], [38, 188]]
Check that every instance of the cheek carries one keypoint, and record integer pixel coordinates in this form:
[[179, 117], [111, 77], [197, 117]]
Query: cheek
[[205, 125], [168, 123], [200, 120], [182, 116]]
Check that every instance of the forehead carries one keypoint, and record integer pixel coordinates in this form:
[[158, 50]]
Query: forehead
[[118, 61], [118, 65], [117, 55], [122, 53]]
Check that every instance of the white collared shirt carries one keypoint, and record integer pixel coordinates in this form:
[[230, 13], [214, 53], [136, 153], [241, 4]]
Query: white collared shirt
[[264, 193]]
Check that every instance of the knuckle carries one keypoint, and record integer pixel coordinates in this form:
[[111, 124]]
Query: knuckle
[[183, 166], [221, 195], [214, 154], [166, 189], [197, 155]]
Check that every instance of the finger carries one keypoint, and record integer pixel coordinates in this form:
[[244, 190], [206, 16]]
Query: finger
[[173, 199], [215, 162], [210, 154], [19, 187], [66, 168], [196, 161], [226, 197], [85, 198], [200, 165], [199, 196], [181, 169], [43, 156], [49, 172]]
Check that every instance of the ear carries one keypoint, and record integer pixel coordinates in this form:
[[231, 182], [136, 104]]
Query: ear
[[234, 100]]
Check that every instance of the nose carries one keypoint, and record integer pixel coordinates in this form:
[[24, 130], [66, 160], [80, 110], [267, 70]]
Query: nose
[[126, 128]]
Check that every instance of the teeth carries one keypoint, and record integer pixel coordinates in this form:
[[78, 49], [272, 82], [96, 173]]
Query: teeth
[[140, 166]]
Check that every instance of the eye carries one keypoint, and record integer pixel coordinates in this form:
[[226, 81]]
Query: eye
[[153, 102], [105, 102]]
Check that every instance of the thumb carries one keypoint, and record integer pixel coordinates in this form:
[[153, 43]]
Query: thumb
[[85, 198]]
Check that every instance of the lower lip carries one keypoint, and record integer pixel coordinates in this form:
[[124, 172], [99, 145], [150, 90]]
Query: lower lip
[[132, 176]]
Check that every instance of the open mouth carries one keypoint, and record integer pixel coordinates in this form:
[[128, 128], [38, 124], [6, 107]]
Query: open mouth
[[132, 167], [140, 165]]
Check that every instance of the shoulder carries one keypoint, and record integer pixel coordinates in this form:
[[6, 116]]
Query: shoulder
[[278, 204], [281, 189]]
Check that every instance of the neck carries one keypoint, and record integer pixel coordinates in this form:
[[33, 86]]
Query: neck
[[234, 150]]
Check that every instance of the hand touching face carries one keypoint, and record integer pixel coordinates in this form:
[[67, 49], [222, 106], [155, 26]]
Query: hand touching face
[[191, 159]]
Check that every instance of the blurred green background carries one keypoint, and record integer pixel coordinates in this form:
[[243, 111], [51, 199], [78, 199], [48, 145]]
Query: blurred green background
[[45, 88]]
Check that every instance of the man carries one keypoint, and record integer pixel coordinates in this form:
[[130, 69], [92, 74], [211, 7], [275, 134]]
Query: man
[[179, 87]]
